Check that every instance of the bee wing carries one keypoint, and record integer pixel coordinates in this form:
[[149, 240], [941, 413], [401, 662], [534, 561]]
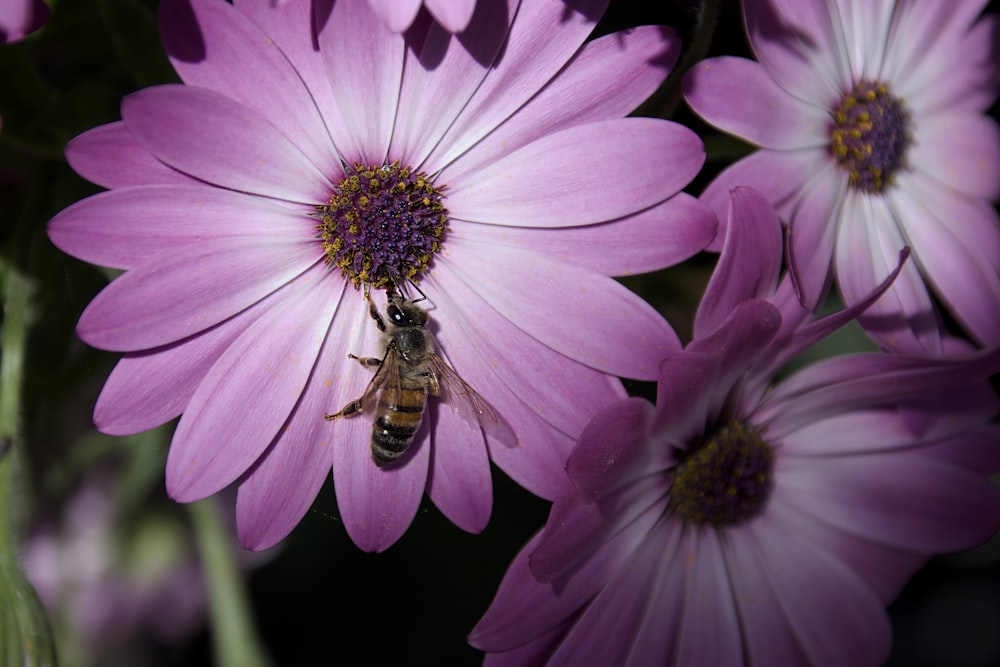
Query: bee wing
[[387, 372], [465, 401], [387, 375]]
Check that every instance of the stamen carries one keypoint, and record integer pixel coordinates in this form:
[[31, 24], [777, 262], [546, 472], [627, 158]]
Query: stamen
[[382, 224], [725, 480], [870, 136]]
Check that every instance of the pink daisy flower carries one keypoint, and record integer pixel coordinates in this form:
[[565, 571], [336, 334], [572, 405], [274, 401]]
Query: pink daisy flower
[[453, 15], [734, 525], [312, 153], [869, 115]]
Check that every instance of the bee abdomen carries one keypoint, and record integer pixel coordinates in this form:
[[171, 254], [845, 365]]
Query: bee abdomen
[[396, 424], [392, 436]]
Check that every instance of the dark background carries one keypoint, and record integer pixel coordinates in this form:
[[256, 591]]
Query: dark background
[[316, 598]]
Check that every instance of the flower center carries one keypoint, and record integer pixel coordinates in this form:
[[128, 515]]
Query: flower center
[[870, 136], [382, 224], [727, 479]]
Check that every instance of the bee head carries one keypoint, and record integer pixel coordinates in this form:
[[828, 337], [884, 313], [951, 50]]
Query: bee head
[[402, 313]]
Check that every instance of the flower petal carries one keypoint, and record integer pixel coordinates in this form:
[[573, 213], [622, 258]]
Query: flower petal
[[708, 603], [282, 485], [126, 226], [285, 23], [609, 77], [510, 282], [750, 262], [577, 526], [510, 370], [944, 65], [812, 233], [213, 138], [459, 481], [925, 40], [151, 387], [841, 622], [397, 14], [694, 385], [376, 504], [364, 63], [885, 429], [208, 41], [765, 115], [657, 633], [801, 46], [163, 300], [778, 175], [453, 14], [524, 608], [544, 35], [438, 83], [846, 383], [964, 276], [868, 246], [908, 502], [538, 468], [658, 237], [605, 631], [962, 150], [248, 394], [614, 449], [885, 570], [767, 635], [562, 179], [797, 334], [534, 652], [109, 156], [523, 364]]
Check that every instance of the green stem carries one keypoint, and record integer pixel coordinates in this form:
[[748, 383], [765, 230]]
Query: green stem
[[235, 642], [25, 634], [667, 97]]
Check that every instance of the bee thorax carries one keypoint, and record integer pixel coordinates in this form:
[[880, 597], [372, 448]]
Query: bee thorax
[[412, 343]]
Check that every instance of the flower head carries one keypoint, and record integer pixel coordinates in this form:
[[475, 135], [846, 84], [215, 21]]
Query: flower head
[[313, 155], [869, 115], [729, 525]]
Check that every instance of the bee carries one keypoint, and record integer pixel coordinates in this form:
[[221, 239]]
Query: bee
[[405, 375]]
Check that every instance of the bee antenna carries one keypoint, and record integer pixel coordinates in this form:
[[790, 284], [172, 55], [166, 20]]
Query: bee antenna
[[423, 297]]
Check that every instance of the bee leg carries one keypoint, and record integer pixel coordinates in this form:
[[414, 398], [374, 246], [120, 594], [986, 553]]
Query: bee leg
[[373, 311], [433, 386], [352, 408], [366, 361]]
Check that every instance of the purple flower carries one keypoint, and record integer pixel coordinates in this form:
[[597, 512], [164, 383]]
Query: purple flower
[[299, 165], [732, 524], [869, 118], [453, 15], [103, 586]]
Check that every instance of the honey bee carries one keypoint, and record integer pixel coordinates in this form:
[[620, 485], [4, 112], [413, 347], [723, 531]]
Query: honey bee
[[406, 373]]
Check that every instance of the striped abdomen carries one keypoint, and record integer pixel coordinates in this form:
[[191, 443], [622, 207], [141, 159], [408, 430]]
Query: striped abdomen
[[397, 420]]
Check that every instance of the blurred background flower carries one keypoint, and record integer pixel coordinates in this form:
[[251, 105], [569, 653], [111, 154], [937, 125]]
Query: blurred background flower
[[115, 593]]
